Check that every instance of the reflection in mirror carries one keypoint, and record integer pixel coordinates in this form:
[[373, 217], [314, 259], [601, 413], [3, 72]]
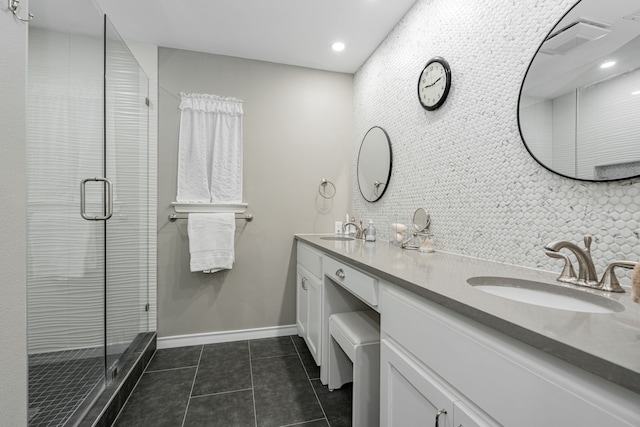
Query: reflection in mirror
[[374, 164], [579, 102]]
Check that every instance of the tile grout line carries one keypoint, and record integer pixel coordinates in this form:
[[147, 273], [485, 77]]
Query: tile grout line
[[172, 369], [310, 383], [219, 393], [253, 392], [278, 355], [303, 422], [195, 375]]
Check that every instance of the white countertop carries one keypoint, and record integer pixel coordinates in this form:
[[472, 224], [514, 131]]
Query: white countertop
[[607, 345]]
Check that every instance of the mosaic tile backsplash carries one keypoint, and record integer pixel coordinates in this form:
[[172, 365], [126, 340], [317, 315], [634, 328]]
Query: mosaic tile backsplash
[[466, 163]]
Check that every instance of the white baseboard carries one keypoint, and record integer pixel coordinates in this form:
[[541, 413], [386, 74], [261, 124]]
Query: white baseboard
[[225, 336]]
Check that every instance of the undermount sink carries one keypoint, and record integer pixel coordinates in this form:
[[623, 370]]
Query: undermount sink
[[546, 295], [338, 238]]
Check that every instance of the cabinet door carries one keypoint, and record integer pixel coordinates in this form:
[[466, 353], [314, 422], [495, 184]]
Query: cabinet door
[[409, 396], [314, 312], [302, 298]]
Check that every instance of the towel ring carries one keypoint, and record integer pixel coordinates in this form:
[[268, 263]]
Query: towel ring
[[327, 189], [13, 7]]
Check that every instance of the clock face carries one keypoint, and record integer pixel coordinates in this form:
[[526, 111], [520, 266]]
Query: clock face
[[434, 83]]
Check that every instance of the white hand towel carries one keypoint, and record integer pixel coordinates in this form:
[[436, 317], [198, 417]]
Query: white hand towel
[[211, 241]]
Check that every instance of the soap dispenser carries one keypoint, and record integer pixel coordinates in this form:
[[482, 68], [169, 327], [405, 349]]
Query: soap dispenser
[[370, 232]]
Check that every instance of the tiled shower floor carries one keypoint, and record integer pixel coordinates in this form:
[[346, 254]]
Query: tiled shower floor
[[59, 382], [271, 382]]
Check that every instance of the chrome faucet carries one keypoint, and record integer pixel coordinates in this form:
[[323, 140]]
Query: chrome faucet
[[587, 275], [359, 230]]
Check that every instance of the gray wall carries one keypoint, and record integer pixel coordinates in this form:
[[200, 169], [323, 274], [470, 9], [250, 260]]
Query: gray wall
[[13, 190], [466, 163], [298, 127]]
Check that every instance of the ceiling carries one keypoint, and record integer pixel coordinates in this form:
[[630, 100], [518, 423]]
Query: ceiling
[[294, 32]]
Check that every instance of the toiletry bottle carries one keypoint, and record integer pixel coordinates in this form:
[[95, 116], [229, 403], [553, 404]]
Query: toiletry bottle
[[370, 233]]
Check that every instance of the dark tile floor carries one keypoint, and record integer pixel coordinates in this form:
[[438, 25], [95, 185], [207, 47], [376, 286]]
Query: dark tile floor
[[271, 382]]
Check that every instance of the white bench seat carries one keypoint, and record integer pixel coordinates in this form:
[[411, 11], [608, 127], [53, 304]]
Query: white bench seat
[[354, 356]]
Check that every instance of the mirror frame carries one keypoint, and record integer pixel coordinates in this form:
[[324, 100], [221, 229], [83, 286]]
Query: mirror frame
[[551, 31], [388, 177]]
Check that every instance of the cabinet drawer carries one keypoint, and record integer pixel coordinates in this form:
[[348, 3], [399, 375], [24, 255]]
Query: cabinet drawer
[[360, 284], [310, 259]]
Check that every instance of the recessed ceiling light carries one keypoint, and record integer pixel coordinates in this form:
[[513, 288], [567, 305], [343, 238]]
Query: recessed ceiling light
[[608, 64], [338, 46]]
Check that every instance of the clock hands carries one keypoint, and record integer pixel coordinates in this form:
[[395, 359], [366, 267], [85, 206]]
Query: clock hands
[[439, 78]]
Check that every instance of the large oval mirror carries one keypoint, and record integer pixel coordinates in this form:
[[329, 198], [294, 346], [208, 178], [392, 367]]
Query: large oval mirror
[[374, 164], [579, 108]]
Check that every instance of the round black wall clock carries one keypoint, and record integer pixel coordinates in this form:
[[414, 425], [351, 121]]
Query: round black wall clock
[[434, 83]]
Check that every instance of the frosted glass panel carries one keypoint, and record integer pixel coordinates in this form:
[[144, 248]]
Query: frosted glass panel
[[65, 257], [64, 146]]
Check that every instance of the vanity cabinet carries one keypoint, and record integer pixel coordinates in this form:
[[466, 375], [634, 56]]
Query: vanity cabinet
[[309, 298], [435, 359]]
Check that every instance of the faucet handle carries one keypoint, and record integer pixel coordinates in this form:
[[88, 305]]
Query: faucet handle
[[609, 281], [587, 243], [568, 274]]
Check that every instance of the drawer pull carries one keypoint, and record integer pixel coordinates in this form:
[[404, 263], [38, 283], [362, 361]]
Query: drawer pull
[[304, 283], [340, 273], [440, 412]]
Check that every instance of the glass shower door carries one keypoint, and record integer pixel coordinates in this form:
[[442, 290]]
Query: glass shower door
[[66, 261]]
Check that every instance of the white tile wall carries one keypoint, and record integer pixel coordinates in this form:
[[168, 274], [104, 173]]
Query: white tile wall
[[466, 163]]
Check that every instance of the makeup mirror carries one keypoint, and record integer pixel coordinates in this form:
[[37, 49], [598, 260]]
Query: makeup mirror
[[421, 220], [418, 232]]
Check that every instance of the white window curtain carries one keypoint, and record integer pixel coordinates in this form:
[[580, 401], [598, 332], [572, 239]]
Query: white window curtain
[[210, 149]]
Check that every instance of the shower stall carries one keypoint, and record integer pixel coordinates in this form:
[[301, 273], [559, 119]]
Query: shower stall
[[91, 210]]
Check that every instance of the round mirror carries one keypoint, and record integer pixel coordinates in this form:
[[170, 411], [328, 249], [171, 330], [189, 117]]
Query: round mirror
[[421, 219], [579, 101], [374, 164]]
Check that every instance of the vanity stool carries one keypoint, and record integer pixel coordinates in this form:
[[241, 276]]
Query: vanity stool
[[354, 355]]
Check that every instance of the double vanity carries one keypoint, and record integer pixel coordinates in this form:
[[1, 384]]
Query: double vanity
[[468, 342]]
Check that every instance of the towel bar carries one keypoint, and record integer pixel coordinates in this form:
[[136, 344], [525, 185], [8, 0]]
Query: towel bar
[[246, 217]]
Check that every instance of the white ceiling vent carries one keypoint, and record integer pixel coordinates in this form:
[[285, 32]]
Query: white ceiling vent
[[572, 36], [635, 16]]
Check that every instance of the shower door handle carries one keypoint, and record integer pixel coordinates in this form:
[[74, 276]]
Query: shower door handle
[[109, 199]]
